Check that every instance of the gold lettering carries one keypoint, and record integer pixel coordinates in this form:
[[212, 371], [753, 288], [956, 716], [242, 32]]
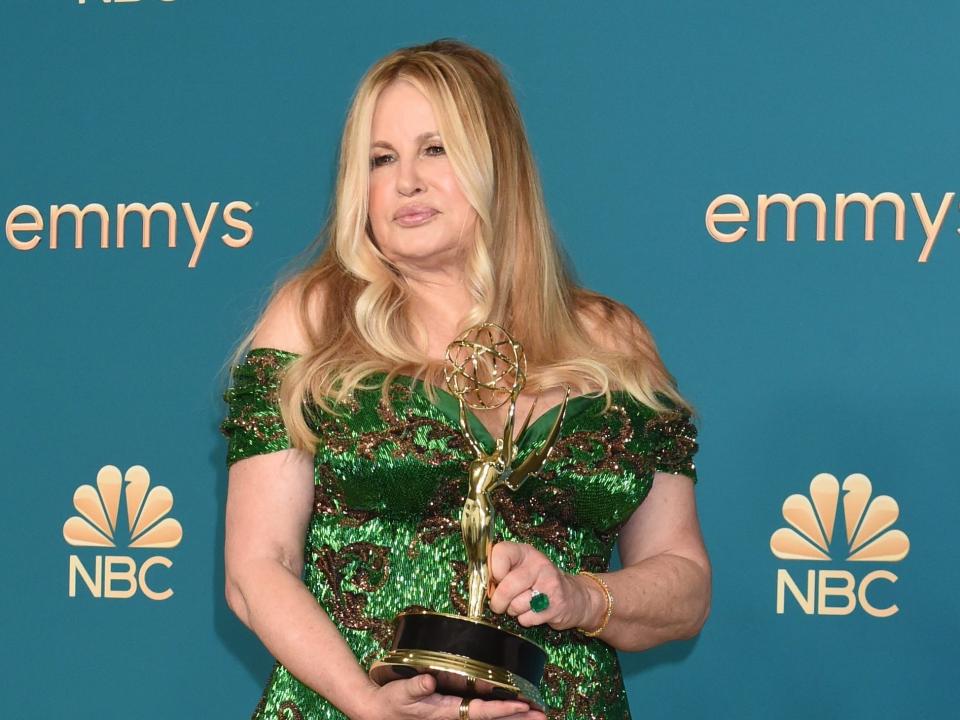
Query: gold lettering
[[931, 229], [713, 217], [865, 583], [824, 591], [123, 210], [93, 584], [112, 575], [785, 581], [763, 202], [147, 590], [231, 221], [57, 210], [869, 206], [27, 218], [199, 236], [12, 226]]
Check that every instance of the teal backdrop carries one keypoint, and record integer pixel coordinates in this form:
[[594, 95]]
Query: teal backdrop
[[802, 357]]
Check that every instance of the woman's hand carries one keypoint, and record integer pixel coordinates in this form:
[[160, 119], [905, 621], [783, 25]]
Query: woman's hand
[[518, 568], [415, 699]]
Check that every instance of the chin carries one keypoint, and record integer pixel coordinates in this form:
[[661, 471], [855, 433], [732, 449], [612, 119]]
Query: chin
[[420, 249]]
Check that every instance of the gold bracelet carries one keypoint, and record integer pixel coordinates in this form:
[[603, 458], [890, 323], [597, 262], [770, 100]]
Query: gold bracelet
[[606, 617]]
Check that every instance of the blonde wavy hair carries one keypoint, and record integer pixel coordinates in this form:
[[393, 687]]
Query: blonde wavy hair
[[353, 303]]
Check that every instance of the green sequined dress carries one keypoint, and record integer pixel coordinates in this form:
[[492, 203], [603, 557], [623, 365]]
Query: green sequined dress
[[384, 535]]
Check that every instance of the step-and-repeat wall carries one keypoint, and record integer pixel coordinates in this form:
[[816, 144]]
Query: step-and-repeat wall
[[771, 187]]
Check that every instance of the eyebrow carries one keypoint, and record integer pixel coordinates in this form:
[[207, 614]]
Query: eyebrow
[[420, 138]]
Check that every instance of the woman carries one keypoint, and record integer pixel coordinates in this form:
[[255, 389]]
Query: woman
[[347, 469]]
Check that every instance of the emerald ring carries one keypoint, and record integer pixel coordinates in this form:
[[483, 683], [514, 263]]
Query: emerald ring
[[539, 601]]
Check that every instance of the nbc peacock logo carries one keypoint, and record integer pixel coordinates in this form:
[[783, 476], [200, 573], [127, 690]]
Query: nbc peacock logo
[[121, 495], [867, 538]]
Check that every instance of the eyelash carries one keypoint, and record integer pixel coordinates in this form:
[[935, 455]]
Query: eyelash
[[374, 161]]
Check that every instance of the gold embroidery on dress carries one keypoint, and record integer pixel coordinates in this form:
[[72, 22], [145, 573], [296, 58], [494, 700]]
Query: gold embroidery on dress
[[680, 435], [442, 516], [562, 682], [289, 710], [371, 569], [327, 500]]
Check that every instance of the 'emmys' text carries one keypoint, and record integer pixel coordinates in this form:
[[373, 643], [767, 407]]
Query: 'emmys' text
[[25, 219], [741, 214]]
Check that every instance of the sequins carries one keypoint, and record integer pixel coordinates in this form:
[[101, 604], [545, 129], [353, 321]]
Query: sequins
[[254, 424], [574, 697], [676, 442], [351, 574], [288, 710], [384, 535]]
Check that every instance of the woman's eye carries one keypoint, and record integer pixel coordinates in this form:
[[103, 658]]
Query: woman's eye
[[379, 160]]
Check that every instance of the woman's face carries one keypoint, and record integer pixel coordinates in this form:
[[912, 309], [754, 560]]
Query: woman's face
[[419, 215]]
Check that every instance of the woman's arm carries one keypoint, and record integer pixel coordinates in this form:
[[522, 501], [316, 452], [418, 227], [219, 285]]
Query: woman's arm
[[663, 591], [269, 502]]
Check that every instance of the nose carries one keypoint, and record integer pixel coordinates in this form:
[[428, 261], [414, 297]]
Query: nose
[[409, 180]]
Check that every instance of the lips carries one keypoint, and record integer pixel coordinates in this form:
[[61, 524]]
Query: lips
[[414, 215]]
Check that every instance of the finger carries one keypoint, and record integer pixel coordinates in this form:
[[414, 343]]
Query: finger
[[497, 709], [504, 556], [545, 582], [520, 604], [524, 715], [515, 591], [530, 618], [417, 688], [491, 581], [515, 586], [547, 585], [521, 577]]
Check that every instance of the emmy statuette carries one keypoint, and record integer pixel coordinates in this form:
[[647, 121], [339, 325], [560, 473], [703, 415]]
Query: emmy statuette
[[469, 656]]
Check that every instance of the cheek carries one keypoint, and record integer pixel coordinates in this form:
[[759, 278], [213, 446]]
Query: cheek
[[375, 197], [452, 189], [458, 203], [377, 208], [467, 218]]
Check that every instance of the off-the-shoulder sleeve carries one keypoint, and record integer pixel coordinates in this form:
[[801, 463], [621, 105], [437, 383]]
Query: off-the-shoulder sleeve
[[253, 425], [672, 437]]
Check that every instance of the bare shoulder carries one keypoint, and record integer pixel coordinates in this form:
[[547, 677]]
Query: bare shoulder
[[610, 324], [283, 324]]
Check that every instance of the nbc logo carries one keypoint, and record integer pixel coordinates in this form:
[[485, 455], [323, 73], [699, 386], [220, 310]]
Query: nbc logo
[[811, 538], [147, 526]]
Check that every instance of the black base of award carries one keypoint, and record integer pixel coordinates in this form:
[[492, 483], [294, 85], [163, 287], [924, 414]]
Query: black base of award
[[470, 658]]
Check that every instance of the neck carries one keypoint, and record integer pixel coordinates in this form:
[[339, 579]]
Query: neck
[[438, 302]]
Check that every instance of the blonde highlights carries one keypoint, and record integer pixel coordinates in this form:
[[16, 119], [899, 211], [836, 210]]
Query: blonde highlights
[[352, 304]]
